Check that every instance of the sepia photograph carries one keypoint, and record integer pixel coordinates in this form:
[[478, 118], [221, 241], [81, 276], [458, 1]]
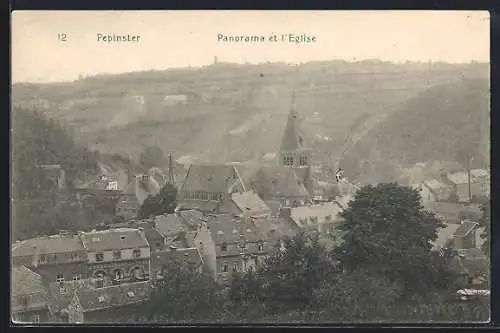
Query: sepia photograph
[[250, 167]]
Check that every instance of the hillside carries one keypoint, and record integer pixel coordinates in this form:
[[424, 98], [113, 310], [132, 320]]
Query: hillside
[[36, 200], [439, 124], [235, 112]]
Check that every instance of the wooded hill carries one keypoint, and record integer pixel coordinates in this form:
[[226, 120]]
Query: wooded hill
[[235, 112], [440, 124]]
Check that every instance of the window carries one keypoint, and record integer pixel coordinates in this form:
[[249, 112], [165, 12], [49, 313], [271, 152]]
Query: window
[[101, 299], [60, 277], [35, 319], [118, 275], [99, 283], [117, 255], [235, 267], [76, 277], [261, 246], [223, 247], [130, 294], [136, 253], [225, 268], [288, 160], [99, 256], [303, 160]]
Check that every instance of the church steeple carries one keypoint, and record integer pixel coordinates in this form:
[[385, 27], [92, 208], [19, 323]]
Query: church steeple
[[291, 139], [292, 150]]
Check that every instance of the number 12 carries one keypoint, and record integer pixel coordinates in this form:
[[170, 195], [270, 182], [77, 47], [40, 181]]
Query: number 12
[[62, 37]]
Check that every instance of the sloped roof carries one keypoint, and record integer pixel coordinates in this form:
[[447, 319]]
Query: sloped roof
[[279, 181], [225, 229], [47, 245], [479, 173], [445, 235], [113, 296], [320, 212], [291, 139], [114, 239], [250, 202], [438, 188], [200, 205], [25, 282], [191, 217], [170, 225], [465, 228], [209, 178], [189, 256], [135, 189]]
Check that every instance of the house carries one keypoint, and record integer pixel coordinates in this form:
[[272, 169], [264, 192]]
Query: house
[[29, 297], [479, 184], [133, 196], [250, 204], [239, 244], [208, 188], [187, 229], [477, 265], [60, 257], [202, 240], [112, 304], [465, 236], [322, 217], [117, 255], [186, 257]]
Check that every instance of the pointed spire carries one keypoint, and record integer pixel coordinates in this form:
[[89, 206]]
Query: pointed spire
[[291, 139], [170, 170]]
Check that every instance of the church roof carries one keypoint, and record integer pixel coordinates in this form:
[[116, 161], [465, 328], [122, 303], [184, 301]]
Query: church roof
[[209, 178], [279, 181], [291, 139]]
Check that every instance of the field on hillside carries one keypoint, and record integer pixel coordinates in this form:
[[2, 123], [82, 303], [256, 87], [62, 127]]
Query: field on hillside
[[236, 112]]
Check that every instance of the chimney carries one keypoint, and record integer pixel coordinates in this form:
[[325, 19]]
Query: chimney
[[36, 254]]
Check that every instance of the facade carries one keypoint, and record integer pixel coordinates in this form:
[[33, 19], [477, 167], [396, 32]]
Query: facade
[[434, 190], [239, 244], [119, 303], [56, 258], [134, 194], [117, 256], [187, 257], [29, 297], [322, 217], [208, 188]]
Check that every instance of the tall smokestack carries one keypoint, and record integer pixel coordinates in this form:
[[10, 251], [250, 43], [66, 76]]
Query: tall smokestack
[[36, 256]]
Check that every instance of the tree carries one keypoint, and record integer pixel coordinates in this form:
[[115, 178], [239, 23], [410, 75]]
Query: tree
[[485, 222], [290, 274], [386, 230], [163, 202], [184, 295], [152, 156]]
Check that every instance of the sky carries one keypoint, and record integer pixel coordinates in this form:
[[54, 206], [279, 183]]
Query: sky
[[190, 38]]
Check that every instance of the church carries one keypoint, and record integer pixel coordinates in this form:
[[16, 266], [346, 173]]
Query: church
[[287, 183]]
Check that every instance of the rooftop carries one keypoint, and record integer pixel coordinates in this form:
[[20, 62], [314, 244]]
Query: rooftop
[[209, 178], [189, 256], [25, 281], [114, 239], [47, 245], [113, 296], [465, 228], [445, 235], [250, 202], [315, 214]]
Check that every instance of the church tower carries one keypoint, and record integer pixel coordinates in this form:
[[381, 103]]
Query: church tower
[[293, 152]]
